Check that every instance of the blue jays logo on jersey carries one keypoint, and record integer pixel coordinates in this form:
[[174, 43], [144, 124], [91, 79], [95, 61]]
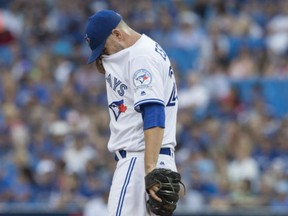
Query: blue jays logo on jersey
[[142, 78], [117, 108]]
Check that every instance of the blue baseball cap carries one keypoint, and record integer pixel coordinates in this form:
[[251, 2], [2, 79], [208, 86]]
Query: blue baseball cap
[[98, 29]]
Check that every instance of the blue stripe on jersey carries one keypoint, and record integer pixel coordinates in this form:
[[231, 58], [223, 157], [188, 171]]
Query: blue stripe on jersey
[[124, 187], [153, 100], [153, 115]]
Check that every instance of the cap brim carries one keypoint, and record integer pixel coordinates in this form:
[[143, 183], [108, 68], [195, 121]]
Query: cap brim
[[96, 53]]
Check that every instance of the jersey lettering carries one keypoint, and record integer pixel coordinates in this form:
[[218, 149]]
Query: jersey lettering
[[173, 97], [116, 85], [171, 72], [108, 79], [122, 89], [159, 50]]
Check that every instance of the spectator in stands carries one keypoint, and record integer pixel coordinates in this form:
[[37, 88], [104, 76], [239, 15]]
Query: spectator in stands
[[242, 166], [80, 149], [279, 204]]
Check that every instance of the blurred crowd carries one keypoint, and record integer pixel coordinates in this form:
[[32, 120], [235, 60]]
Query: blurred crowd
[[232, 145]]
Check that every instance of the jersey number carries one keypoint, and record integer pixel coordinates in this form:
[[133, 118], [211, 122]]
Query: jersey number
[[173, 97]]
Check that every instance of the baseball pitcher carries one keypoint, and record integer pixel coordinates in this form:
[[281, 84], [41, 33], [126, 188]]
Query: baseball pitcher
[[142, 102]]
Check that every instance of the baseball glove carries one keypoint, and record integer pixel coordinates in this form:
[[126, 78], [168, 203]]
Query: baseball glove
[[169, 184]]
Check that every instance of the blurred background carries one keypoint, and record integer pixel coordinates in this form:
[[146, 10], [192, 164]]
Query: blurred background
[[230, 59]]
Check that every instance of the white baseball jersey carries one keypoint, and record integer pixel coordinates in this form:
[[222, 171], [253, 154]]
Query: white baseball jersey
[[136, 75]]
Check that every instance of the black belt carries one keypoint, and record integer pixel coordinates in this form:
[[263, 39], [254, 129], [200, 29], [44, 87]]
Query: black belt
[[123, 153]]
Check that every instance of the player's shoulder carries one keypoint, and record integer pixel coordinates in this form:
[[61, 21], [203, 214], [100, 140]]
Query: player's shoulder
[[145, 48], [146, 39]]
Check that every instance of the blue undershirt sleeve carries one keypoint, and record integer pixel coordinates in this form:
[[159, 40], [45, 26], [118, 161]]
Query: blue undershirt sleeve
[[153, 115]]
